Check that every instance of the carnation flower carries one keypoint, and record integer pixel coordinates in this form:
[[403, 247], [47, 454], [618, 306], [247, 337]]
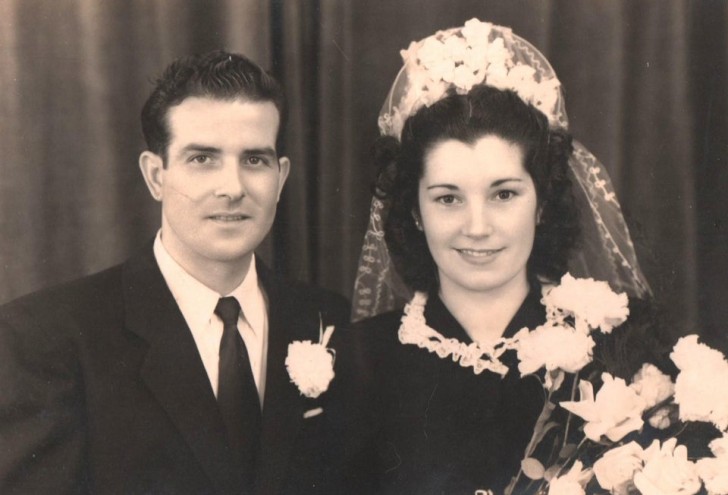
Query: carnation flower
[[714, 470], [667, 471], [552, 347], [652, 385], [572, 483], [701, 386], [311, 366], [689, 354], [616, 468], [616, 411], [592, 303]]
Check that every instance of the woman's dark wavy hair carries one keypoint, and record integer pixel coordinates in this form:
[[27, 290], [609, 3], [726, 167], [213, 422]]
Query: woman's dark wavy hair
[[467, 118]]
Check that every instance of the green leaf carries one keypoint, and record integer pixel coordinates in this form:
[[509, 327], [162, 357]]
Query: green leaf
[[567, 451], [532, 468], [551, 472]]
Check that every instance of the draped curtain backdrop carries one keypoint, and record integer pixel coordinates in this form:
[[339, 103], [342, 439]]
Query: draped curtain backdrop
[[645, 89]]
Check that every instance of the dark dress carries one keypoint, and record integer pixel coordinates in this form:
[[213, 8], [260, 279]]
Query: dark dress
[[436, 427]]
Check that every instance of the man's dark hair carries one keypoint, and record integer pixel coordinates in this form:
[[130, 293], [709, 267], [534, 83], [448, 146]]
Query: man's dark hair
[[483, 111], [216, 74]]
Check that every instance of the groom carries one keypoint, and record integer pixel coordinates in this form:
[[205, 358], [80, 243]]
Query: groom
[[167, 374]]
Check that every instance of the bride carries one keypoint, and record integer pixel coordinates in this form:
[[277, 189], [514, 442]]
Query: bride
[[483, 200]]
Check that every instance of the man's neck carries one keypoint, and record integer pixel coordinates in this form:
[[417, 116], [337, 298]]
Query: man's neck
[[222, 276]]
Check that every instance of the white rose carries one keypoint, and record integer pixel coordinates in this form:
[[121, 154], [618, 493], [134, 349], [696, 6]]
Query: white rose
[[667, 471], [652, 385], [464, 78], [474, 57], [616, 410], [571, 483], [476, 31], [552, 347], [616, 468], [545, 97], [456, 48], [410, 54], [660, 419], [497, 53]]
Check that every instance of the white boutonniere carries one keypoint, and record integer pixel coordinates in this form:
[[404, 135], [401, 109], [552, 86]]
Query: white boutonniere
[[311, 365]]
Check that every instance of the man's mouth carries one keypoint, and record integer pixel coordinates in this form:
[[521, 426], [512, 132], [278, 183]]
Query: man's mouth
[[228, 217]]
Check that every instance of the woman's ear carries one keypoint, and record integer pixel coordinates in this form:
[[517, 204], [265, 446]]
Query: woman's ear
[[418, 220]]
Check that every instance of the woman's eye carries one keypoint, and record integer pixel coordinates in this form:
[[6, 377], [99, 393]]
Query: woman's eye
[[447, 199], [505, 195]]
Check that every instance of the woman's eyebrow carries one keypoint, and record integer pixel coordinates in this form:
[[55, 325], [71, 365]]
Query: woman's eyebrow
[[451, 187], [500, 182]]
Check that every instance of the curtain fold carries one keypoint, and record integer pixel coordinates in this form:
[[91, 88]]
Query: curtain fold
[[645, 89]]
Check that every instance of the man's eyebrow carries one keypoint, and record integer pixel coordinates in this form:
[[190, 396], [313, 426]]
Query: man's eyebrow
[[199, 148], [268, 151]]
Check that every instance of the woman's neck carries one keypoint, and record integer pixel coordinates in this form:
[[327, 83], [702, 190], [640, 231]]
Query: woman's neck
[[485, 315]]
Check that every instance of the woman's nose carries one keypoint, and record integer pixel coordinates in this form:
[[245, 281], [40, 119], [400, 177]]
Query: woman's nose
[[478, 222]]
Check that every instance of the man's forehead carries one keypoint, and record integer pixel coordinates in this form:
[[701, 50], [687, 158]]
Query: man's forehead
[[215, 117]]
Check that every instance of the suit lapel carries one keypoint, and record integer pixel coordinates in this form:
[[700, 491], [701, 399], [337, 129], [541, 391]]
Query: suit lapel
[[288, 320], [173, 369]]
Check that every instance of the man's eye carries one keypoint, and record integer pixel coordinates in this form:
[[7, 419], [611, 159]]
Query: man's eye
[[256, 160], [201, 159]]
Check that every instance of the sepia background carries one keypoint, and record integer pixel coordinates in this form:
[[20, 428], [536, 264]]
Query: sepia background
[[646, 91]]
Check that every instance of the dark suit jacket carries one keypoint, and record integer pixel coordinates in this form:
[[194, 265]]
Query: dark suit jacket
[[102, 390]]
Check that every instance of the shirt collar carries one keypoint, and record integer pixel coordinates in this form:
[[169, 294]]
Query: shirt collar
[[197, 301]]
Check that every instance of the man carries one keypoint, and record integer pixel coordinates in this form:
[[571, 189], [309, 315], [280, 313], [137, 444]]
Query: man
[[167, 374]]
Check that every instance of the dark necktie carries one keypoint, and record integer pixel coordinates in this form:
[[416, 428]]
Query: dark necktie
[[237, 395]]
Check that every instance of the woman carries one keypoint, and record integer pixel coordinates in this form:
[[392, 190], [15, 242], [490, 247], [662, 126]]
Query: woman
[[480, 202]]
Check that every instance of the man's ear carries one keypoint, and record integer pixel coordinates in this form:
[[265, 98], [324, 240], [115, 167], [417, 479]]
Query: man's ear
[[284, 168], [152, 166]]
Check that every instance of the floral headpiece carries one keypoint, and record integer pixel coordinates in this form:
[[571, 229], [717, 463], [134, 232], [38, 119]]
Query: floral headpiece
[[460, 58]]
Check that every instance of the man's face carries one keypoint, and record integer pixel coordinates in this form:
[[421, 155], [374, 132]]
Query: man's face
[[222, 180]]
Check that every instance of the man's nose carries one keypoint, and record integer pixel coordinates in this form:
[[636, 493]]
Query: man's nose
[[229, 180]]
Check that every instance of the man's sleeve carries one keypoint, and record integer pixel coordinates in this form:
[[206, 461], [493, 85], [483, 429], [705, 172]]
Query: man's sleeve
[[41, 410]]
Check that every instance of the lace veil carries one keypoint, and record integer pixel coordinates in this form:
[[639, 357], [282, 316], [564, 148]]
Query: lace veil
[[458, 59]]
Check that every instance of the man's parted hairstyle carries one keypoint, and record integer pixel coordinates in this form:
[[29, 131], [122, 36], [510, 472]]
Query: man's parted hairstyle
[[483, 111], [217, 74]]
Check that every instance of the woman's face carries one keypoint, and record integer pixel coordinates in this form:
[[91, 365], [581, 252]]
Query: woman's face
[[478, 208]]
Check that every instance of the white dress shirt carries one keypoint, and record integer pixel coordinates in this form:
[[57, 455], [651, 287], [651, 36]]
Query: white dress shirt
[[197, 303]]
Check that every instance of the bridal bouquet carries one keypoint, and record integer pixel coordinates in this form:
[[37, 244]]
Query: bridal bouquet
[[627, 441]]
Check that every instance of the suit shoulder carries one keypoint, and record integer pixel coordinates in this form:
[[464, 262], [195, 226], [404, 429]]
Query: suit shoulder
[[334, 307], [66, 299]]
